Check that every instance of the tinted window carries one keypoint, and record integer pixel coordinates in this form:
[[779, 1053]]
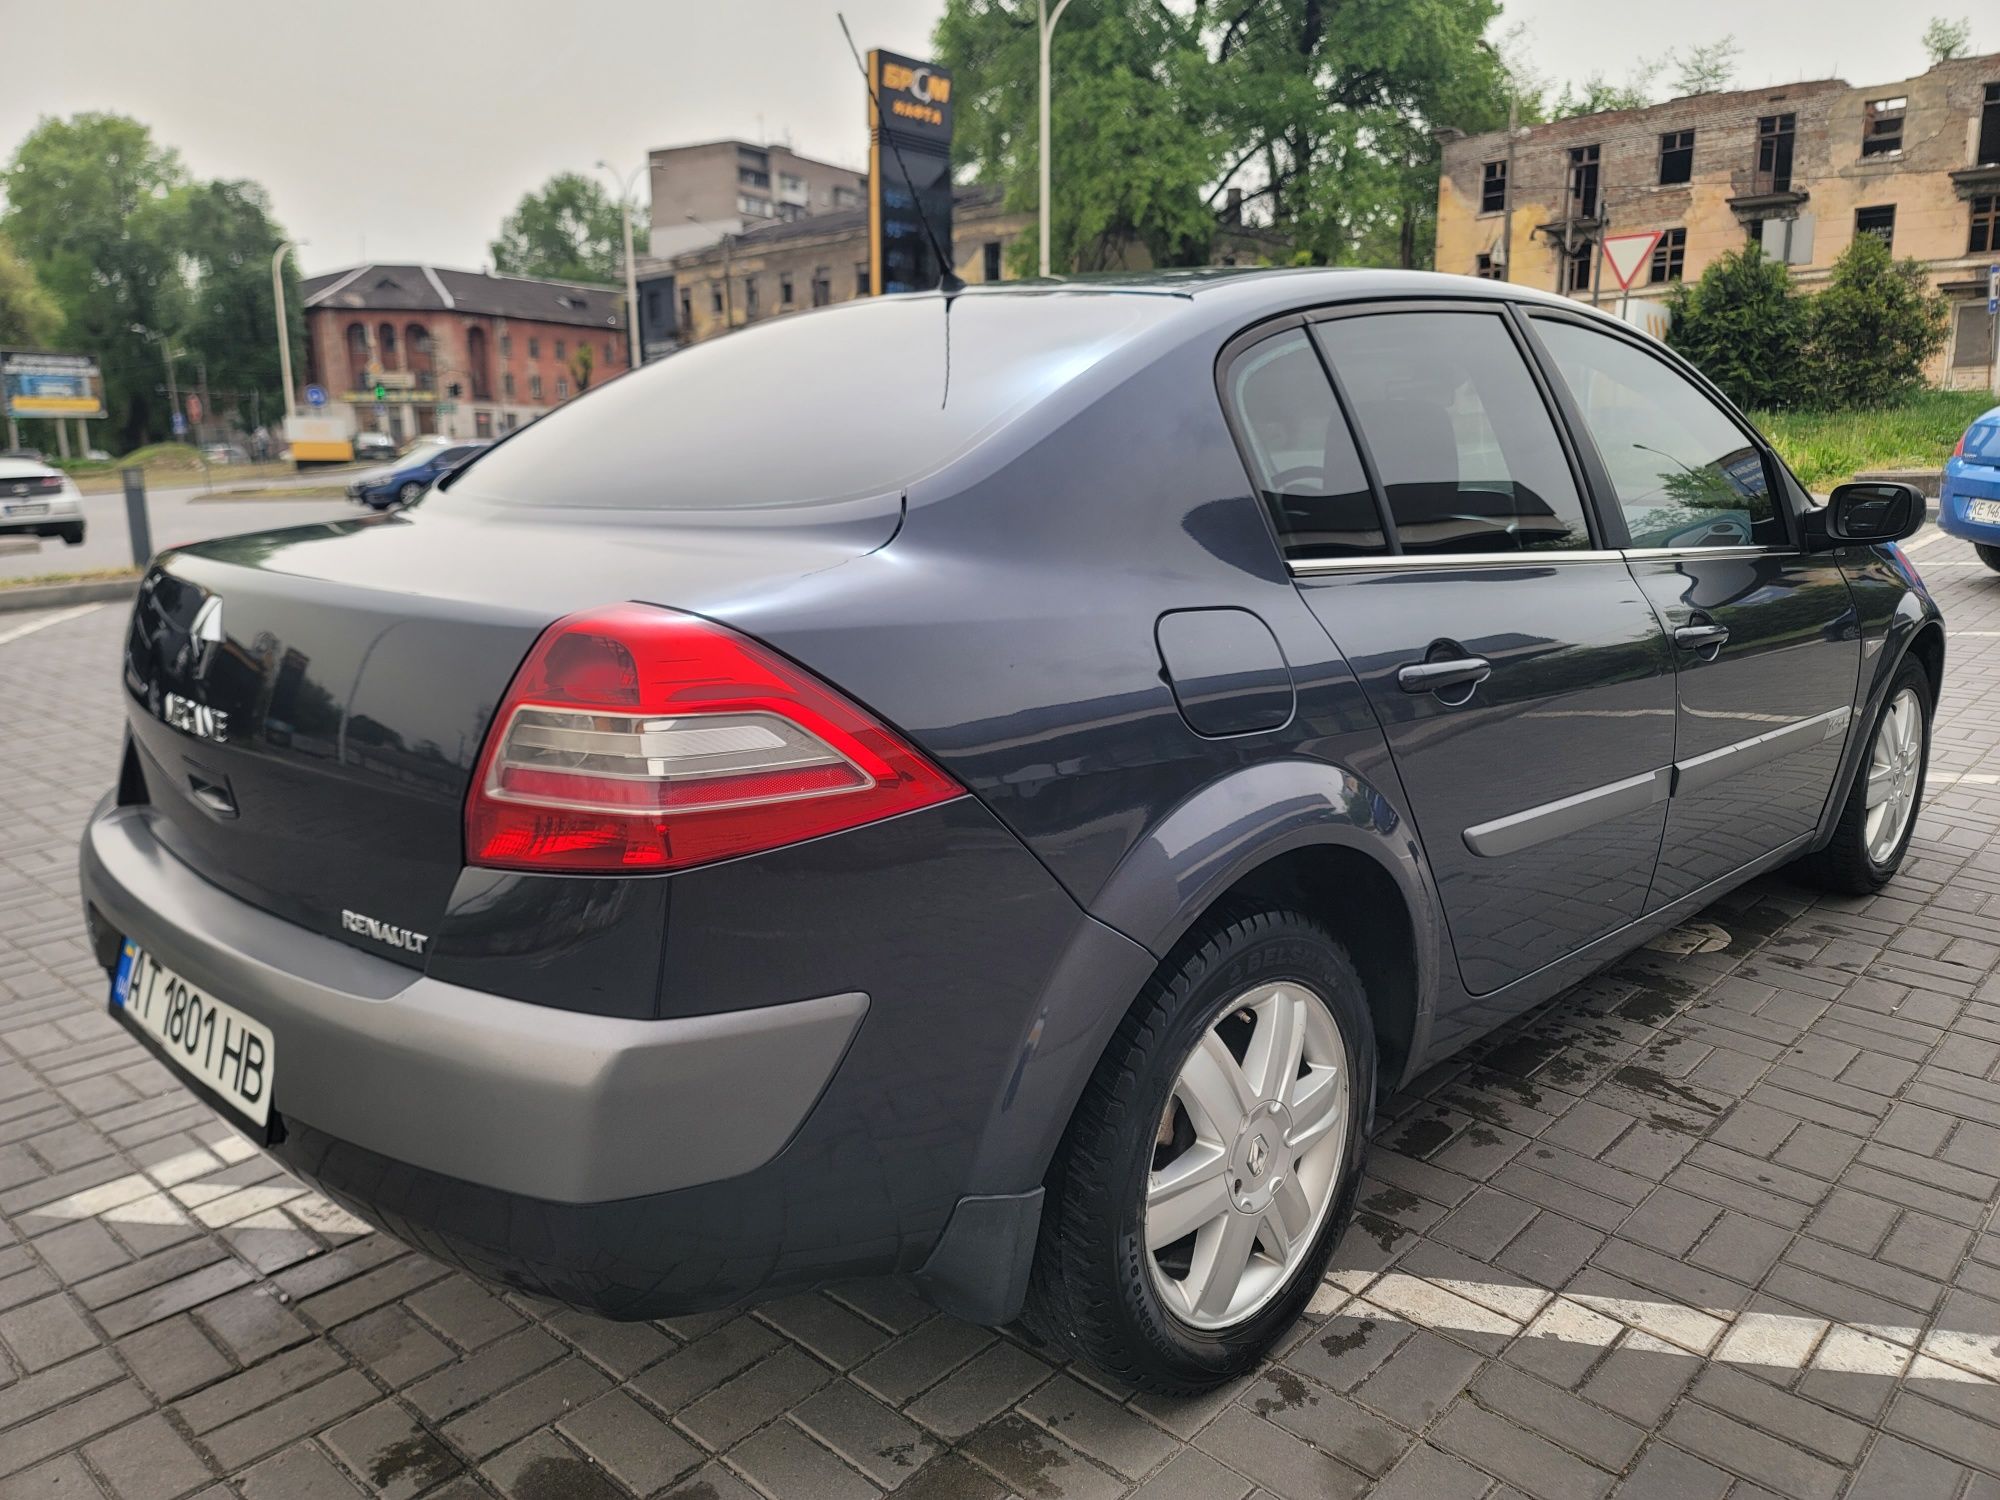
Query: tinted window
[[863, 397], [1301, 452], [1685, 474], [1459, 434]]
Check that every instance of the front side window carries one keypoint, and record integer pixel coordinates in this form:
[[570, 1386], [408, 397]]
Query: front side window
[[1463, 445], [1684, 473], [1301, 452]]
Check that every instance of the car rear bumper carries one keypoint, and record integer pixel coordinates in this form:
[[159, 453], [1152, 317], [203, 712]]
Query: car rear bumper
[[899, 1120], [517, 1098], [1962, 485]]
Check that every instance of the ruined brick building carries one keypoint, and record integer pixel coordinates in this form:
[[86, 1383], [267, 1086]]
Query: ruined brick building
[[1800, 168]]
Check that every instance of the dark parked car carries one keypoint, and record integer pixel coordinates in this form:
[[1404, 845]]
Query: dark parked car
[[402, 482], [992, 788]]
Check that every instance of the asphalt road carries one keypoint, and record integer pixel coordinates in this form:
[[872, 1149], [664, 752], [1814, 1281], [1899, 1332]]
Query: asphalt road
[[178, 515]]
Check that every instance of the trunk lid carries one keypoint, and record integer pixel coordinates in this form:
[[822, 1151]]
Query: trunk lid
[[307, 705]]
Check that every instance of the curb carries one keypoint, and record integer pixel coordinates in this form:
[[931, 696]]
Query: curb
[[56, 595]]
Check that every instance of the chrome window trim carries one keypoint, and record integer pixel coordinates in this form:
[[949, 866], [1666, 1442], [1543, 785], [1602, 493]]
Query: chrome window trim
[[1650, 554], [1307, 567]]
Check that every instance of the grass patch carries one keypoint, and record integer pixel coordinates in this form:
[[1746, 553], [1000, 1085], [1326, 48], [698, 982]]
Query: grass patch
[[90, 575], [1825, 448]]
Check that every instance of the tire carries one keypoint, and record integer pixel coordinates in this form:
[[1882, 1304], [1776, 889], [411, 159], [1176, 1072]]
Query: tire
[[1988, 555], [1848, 864], [1096, 1288], [72, 535]]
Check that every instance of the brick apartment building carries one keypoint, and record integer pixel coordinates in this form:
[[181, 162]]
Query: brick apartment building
[[771, 269], [1800, 168], [462, 353]]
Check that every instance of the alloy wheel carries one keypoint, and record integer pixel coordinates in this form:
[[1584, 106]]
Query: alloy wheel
[[1895, 768], [1247, 1158]]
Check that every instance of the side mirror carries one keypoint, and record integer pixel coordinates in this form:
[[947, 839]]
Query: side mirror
[[1861, 515]]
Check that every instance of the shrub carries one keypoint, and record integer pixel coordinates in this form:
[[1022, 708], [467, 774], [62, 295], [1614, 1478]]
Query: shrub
[[1871, 329], [1743, 328]]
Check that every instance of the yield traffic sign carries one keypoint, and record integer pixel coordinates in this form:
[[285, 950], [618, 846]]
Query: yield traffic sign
[[1625, 253]]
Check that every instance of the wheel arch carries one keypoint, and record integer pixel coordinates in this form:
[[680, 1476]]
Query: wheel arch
[[1313, 836]]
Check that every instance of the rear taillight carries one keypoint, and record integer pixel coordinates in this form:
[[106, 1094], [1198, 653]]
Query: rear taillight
[[1959, 450], [635, 738]]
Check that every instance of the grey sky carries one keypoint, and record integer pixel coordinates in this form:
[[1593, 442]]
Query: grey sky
[[407, 131]]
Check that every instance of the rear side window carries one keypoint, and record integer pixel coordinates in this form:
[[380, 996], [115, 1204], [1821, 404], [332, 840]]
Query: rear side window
[[1685, 474], [1301, 452], [850, 401], [1460, 437]]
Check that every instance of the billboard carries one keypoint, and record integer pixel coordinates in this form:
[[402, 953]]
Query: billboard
[[35, 383], [909, 171]]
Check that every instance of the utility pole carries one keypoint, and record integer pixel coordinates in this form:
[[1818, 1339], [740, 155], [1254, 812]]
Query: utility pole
[[1507, 193], [1046, 26], [284, 328], [635, 344]]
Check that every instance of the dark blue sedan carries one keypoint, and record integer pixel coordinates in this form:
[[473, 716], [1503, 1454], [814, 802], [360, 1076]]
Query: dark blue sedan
[[416, 471]]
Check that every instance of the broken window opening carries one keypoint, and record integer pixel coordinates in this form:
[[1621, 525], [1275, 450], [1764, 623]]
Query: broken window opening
[[1670, 256], [1879, 221], [1493, 187], [1583, 162], [1676, 157], [1882, 127], [1775, 134]]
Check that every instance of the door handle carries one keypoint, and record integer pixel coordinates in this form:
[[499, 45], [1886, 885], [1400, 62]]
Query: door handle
[[1440, 676], [1700, 637]]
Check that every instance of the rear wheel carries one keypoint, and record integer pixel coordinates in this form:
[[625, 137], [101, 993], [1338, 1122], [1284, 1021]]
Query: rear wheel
[[1988, 555], [72, 534], [1210, 1166], [1880, 814], [410, 493]]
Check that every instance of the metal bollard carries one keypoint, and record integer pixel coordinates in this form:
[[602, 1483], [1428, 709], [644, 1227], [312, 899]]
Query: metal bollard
[[135, 517]]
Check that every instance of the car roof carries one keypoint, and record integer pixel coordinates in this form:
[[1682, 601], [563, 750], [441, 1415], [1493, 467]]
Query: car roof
[[25, 468]]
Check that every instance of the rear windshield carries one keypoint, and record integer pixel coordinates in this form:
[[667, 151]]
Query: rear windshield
[[1982, 440], [832, 405]]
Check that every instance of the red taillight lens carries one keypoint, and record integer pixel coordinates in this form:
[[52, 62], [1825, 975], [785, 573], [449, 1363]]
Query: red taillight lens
[[635, 738], [1958, 451]]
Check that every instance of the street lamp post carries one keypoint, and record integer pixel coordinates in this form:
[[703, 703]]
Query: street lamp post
[[1046, 26], [285, 247], [625, 206]]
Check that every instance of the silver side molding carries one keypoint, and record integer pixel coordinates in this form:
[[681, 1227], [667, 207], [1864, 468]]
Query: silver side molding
[[1551, 820], [1701, 771]]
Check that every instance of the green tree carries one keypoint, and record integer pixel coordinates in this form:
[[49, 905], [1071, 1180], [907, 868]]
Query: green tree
[[1873, 327], [1705, 69], [29, 317], [568, 230], [224, 235], [1743, 327], [1323, 113], [1597, 94], [86, 200], [1944, 40], [582, 365]]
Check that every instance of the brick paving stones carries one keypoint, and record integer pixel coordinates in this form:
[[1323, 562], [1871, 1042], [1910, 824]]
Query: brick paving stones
[[1718, 1223]]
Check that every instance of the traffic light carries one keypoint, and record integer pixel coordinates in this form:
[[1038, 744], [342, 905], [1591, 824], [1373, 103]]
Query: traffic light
[[381, 391]]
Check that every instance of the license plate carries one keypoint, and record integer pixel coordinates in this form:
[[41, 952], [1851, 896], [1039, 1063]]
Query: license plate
[[29, 508], [210, 1040], [1983, 510]]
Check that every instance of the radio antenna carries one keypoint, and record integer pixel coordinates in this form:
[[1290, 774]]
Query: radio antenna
[[950, 283]]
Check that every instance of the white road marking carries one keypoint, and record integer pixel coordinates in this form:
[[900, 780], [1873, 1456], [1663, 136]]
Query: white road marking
[[46, 621], [1772, 1341], [1974, 634]]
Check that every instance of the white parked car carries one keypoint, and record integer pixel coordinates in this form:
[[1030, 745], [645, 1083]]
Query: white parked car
[[36, 500]]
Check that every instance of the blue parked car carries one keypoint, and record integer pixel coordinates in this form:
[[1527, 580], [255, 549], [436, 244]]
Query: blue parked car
[[1969, 502], [413, 473]]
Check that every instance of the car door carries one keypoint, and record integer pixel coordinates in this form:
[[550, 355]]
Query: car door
[[1767, 648], [1522, 681]]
